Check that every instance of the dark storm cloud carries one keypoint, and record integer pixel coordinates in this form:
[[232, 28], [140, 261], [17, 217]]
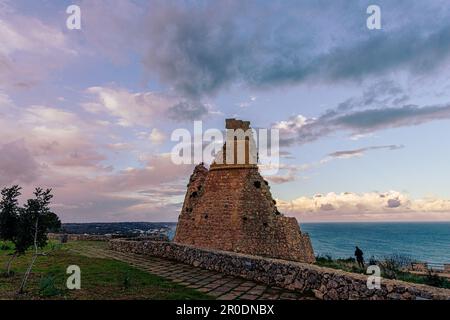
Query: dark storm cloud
[[355, 152], [358, 122], [187, 111], [201, 47], [376, 119]]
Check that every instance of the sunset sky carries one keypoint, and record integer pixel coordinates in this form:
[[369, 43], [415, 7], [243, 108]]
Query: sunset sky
[[364, 115]]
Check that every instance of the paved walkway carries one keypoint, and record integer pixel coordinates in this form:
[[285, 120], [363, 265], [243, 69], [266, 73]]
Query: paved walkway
[[215, 284]]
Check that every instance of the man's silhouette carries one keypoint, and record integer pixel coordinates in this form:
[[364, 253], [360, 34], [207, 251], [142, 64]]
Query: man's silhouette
[[359, 257]]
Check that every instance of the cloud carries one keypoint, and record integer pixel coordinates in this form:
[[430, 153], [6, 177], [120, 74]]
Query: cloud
[[183, 111], [301, 130], [348, 206], [157, 136], [17, 164], [149, 192], [361, 151], [201, 48], [30, 50], [142, 108], [69, 152]]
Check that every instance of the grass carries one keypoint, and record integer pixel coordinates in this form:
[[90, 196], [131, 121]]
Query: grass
[[102, 279], [350, 265]]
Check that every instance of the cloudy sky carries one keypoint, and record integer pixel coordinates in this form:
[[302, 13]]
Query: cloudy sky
[[364, 115]]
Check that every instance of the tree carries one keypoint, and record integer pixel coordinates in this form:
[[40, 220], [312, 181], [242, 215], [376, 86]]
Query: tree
[[35, 221], [9, 217]]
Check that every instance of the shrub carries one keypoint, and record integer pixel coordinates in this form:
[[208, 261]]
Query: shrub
[[372, 261], [324, 258], [394, 264], [47, 287], [4, 247], [434, 280]]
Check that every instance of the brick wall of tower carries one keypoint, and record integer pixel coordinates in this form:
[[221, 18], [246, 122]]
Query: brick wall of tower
[[232, 209]]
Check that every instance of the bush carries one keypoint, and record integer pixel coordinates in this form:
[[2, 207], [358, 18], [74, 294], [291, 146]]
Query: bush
[[325, 258], [434, 280], [4, 247], [394, 264], [373, 261], [47, 287]]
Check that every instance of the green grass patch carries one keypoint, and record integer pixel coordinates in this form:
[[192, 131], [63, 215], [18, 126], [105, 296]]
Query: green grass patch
[[100, 278]]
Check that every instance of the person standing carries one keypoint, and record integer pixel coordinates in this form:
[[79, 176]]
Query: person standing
[[359, 257]]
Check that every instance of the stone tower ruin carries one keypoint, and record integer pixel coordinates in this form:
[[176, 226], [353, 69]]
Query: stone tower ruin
[[230, 207]]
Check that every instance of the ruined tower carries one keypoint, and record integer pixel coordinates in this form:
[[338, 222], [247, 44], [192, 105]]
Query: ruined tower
[[230, 207]]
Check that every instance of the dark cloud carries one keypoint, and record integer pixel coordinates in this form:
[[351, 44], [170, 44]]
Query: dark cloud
[[358, 122], [355, 152], [327, 207], [17, 165], [394, 203], [372, 120], [187, 111], [380, 93], [200, 48]]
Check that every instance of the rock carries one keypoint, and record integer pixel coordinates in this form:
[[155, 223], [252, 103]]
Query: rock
[[298, 284], [394, 296], [332, 284], [332, 294], [318, 294]]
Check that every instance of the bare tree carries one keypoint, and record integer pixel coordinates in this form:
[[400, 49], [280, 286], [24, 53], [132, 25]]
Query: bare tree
[[35, 221]]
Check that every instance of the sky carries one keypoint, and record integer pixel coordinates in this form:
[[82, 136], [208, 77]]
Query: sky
[[363, 115]]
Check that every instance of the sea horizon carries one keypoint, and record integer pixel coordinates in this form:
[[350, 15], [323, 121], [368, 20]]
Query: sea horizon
[[425, 241]]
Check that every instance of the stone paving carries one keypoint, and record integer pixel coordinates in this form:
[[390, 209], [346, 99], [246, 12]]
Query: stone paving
[[217, 285]]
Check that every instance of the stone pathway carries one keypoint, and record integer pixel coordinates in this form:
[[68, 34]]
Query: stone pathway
[[215, 284]]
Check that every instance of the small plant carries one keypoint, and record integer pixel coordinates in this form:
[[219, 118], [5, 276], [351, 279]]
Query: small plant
[[394, 264], [433, 279], [126, 281], [47, 287], [372, 261], [324, 258], [4, 247]]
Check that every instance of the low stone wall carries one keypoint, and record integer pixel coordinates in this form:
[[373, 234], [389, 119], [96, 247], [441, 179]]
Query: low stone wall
[[78, 237], [326, 283], [96, 237]]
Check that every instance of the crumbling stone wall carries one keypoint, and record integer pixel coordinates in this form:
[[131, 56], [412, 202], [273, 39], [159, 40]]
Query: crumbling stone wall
[[230, 207], [326, 283], [100, 237]]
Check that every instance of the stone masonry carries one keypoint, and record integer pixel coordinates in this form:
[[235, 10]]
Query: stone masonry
[[230, 207], [324, 283]]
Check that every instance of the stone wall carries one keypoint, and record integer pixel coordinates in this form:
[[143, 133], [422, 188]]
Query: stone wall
[[78, 237], [98, 237], [326, 283]]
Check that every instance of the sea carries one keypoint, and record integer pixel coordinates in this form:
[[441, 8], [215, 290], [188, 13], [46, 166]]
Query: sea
[[421, 241]]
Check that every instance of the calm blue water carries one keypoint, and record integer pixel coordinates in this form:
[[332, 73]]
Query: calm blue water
[[422, 241]]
